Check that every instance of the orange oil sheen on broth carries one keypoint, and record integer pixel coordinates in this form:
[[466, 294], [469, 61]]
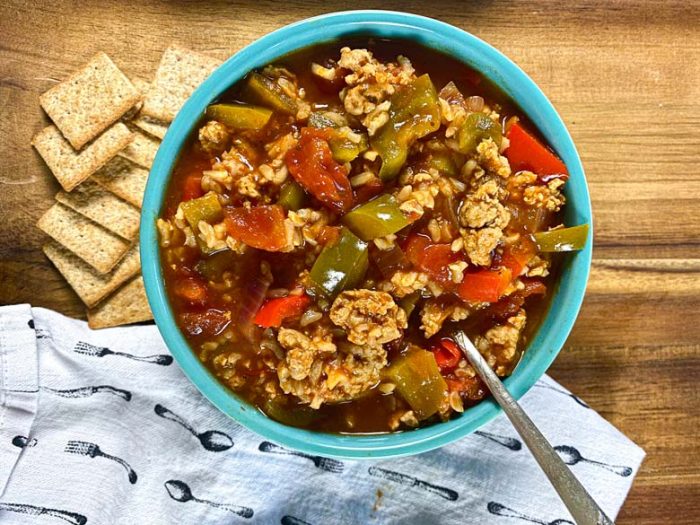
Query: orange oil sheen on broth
[[371, 412]]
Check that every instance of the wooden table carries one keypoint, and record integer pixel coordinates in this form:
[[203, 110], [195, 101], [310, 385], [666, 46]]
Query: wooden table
[[624, 76]]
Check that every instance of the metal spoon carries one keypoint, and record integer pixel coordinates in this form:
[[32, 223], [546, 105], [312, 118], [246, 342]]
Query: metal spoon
[[579, 502]]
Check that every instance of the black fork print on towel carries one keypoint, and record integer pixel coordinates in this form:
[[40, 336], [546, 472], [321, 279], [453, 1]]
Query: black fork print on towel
[[564, 392], [180, 491], [508, 442], [24, 442], [84, 448], [212, 440], [87, 391], [327, 464], [571, 456], [291, 520], [501, 510], [101, 351], [410, 481], [32, 510]]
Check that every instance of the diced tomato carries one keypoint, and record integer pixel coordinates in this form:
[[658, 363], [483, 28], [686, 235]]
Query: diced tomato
[[261, 227], [430, 257], [516, 257], [368, 190], [209, 323], [329, 234], [192, 290], [525, 152], [484, 286], [533, 287], [274, 311], [447, 354], [192, 188], [470, 388], [312, 165]]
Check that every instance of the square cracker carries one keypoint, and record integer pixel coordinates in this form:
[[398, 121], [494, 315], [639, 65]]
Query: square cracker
[[104, 207], [95, 245], [123, 178], [179, 73], [142, 87], [90, 100], [91, 286], [127, 305], [153, 127], [142, 150], [71, 167]]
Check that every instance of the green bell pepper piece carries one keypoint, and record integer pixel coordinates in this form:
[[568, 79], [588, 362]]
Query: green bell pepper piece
[[205, 208], [345, 150], [295, 416], [563, 239], [215, 265], [376, 218], [320, 120], [292, 196], [409, 303], [418, 380], [266, 92], [476, 128], [414, 113], [239, 116], [443, 162], [340, 266]]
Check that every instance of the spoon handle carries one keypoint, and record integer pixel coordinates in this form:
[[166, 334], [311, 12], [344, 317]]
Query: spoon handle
[[579, 502]]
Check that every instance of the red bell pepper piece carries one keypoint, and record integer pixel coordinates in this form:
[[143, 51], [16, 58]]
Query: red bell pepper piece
[[447, 354], [274, 311], [312, 165], [261, 227], [525, 152], [484, 286], [516, 257]]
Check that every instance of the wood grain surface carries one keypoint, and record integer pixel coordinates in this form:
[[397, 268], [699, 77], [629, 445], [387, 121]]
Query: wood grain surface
[[625, 76]]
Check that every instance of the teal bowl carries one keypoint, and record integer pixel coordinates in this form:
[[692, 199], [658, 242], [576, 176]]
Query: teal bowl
[[568, 294]]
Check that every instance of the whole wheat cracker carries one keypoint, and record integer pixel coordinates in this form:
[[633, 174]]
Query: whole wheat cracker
[[153, 127], [179, 73], [125, 306], [94, 244], [90, 285], [142, 150], [90, 100], [104, 207], [123, 178], [71, 167]]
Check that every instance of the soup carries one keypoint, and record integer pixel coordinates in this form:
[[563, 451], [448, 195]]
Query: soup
[[338, 213]]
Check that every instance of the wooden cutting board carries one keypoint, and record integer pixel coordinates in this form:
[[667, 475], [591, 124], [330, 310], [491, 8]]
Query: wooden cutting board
[[625, 78]]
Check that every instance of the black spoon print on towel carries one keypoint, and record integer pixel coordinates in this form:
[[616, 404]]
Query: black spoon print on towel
[[564, 392], [40, 333], [410, 481], [571, 456], [212, 440], [33, 510], [84, 448], [180, 491], [291, 520], [327, 464], [501, 510], [24, 442], [508, 442], [101, 351]]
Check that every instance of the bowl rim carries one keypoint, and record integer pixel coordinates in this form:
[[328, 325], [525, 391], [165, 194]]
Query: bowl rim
[[541, 350]]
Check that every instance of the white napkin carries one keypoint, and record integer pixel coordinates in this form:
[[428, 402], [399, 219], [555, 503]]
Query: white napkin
[[102, 427]]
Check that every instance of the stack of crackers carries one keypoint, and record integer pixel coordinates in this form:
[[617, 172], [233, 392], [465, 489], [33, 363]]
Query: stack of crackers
[[105, 133]]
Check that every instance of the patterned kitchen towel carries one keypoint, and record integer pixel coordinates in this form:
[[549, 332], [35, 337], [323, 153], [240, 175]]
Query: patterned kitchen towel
[[101, 427]]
